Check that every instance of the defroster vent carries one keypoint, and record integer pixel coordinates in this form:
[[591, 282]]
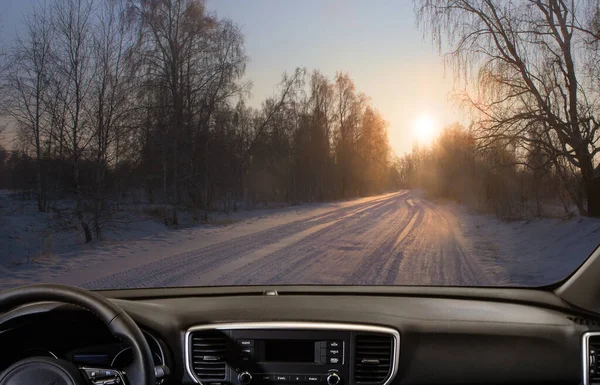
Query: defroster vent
[[373, 356], [208, 355]]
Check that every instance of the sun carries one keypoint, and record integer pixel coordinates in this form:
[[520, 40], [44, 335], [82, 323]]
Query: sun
[[425, 129]]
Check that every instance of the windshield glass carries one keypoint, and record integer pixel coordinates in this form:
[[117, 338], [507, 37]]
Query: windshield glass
[[164, 143]]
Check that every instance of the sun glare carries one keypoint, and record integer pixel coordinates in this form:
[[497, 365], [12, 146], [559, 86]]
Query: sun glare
[[424, 129]]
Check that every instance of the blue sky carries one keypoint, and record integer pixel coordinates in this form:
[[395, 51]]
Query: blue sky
[[375, 41]]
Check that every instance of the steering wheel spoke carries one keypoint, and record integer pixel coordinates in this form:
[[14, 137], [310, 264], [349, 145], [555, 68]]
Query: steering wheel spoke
[[102, 376]]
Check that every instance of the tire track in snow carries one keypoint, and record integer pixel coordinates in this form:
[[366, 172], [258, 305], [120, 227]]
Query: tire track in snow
[[295, 263], [194, 268], [436, 256], [373, 265]]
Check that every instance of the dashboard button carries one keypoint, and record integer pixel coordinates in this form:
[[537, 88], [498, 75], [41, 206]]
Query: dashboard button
[[334, 344], [314, 379], [334, 360], [265, 378], [334, 352], [297, 378], [280, 378], [247, 351], [91, 373], [101, 373], [246, 343]]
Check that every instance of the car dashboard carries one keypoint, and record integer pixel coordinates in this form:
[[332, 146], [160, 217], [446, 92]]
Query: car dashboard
[[331, 337]]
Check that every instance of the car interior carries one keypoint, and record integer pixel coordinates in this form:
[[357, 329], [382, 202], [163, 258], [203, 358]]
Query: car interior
[[328, 335]]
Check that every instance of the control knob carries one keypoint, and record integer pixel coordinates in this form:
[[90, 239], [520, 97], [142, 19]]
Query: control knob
[[245, 378], [333, 379]]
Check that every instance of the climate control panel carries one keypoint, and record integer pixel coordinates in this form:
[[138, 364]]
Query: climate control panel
[[330, 378]]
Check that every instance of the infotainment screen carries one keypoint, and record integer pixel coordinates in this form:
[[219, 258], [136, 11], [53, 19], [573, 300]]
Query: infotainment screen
[[289, 350]]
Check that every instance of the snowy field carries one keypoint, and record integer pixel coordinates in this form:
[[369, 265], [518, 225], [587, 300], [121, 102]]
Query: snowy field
[[398, 238]]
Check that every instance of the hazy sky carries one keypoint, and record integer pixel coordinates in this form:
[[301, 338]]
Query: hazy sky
[[376, 42]]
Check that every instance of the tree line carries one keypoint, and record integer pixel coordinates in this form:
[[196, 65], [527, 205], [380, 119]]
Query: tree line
[[533, 97], [117, 97], [493, 181]]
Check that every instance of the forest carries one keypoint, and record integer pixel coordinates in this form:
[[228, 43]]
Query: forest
[[121, 101], [115, 101]]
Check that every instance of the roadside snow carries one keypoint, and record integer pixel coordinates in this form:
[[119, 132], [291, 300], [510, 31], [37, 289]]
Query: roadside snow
[[530, 253]]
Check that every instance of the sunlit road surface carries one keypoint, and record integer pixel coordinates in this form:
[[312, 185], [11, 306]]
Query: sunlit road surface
[[396, 239]]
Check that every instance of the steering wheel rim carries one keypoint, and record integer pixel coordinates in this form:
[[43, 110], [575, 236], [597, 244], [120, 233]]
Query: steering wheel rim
[[120, 324]]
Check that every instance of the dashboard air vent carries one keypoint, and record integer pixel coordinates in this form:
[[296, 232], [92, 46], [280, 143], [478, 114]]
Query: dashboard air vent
[[208, 355], [372, 358], [594, 357]]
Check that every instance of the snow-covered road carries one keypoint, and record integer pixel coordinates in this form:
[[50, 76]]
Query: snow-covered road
[[399, 239], [395, 239]]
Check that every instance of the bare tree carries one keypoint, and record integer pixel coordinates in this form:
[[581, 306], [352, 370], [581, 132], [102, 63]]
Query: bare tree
[[216, 79], [109, 102], [323, 115], [57, 104], [529, 61], [72, 21], [173, 33], [349, 108], [29, 80], [4, 87]]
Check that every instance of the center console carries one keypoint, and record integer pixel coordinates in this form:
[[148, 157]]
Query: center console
[[291, 353]]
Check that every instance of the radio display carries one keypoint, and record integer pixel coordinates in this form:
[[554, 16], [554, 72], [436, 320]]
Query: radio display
[[289, 350]]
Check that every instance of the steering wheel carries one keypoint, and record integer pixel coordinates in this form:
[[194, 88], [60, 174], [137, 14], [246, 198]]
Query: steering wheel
[[51, 371]]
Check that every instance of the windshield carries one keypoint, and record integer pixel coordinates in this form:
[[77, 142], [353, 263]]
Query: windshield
[[167, 143]]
